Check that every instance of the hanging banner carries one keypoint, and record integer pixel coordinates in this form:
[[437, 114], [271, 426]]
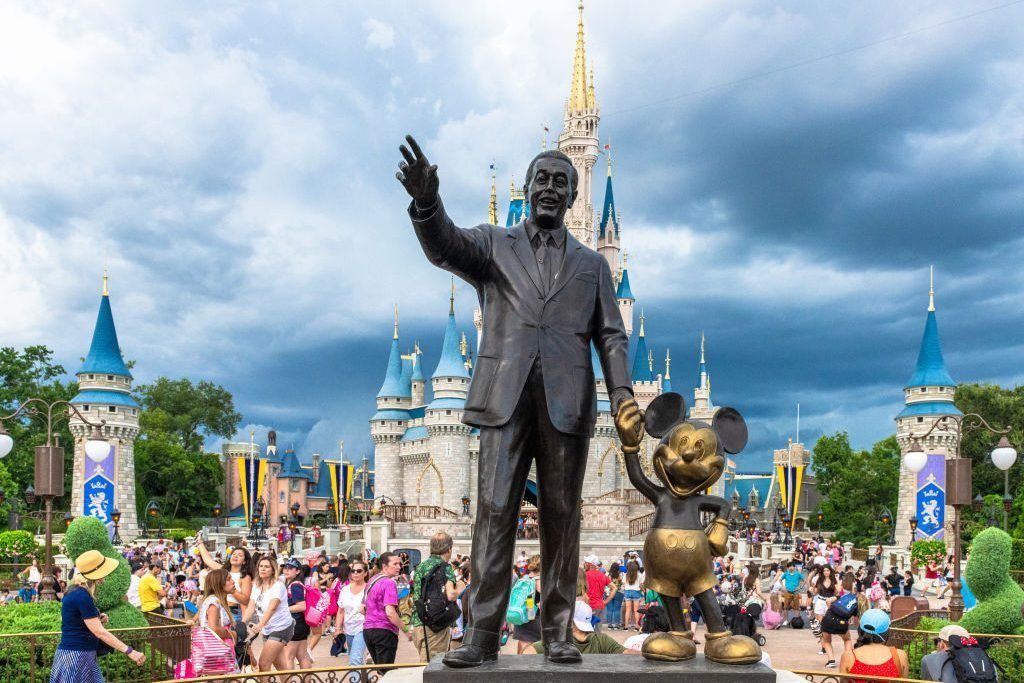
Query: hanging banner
[[252, 474], [99, 489], [791, 480], [930, 505], [341, 488]]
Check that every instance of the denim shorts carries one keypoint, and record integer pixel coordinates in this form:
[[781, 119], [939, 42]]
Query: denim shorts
[[282, 636], [632, 595]]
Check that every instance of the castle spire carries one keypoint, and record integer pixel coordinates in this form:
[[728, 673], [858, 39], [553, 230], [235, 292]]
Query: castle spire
[[451, 299], [931, 367], [106, 290], [666, 381], [578, 93], [451, 363], [642, 361], [395, 335], [392, 386], [104, 352], [931, 288], [492, 207]]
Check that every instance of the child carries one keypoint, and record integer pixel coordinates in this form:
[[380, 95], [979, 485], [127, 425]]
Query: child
[[772, 615], [908, 582]]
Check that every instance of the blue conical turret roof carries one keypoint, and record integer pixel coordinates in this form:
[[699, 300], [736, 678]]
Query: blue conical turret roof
[[392, 387], [104, 354], [451, 363], [931, 368], [624, 292], [407, 363], [641, 361], [596, 362], [417, 365], [608, 212], [290, 468]]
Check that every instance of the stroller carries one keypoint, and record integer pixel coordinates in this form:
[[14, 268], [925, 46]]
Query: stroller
[[742, 620]]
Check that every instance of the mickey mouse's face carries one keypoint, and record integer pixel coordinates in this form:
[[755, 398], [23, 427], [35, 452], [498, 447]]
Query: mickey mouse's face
[[687, 459]]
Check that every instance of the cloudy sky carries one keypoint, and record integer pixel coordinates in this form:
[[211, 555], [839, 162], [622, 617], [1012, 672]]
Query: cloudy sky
[[786, 173]]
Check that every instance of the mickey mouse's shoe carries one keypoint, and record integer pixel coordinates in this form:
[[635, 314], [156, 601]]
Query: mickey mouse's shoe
[[725, 648], [669, 647]]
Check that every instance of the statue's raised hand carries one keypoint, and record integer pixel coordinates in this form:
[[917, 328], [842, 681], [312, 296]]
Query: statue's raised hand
[[417, 175]]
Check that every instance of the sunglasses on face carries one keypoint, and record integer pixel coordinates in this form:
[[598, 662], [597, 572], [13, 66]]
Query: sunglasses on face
[[357, 571]]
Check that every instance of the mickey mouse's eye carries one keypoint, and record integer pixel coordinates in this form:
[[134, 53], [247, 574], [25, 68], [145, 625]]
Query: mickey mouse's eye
[[699, 446]]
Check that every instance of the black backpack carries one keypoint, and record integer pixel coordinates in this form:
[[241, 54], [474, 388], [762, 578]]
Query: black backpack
[[797, 623], [970, 662], [433, 607], [655, 619]]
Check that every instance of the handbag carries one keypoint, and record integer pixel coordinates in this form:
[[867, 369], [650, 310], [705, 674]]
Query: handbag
[[210, 654]]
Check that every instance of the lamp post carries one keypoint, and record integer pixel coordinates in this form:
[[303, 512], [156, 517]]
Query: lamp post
[[990, 509], [913, 532], [887, 521], [958, 481], [153, 515], [820, 517], [293, 524], [68, 518], [115, 517], [49, 466], [331, 517], [787, 542], [217, 509]]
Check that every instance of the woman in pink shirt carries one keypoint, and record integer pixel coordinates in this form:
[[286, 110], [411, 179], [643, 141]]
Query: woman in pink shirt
[[382, 622]]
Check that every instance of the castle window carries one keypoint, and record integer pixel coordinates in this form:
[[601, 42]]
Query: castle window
[[110, 378], [85, 408], [447, 412], [281, 497], [92, 376], [295, 485], [923, 389], [111, 409], [920, 420]]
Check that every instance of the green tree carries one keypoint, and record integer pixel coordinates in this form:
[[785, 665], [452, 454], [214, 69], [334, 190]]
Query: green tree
[[1001, 408], [191, 411], [170, 464], [31, 373], [856, 486]]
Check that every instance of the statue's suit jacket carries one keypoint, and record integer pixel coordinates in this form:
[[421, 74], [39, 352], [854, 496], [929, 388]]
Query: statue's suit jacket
[[523, 321]]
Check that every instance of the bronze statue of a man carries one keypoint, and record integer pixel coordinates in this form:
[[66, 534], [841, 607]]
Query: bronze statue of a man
[[545, 299]]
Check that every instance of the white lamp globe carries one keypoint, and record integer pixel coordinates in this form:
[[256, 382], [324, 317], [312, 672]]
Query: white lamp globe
[[915, 460], [1003, 456], [97, 449], [6, 444]]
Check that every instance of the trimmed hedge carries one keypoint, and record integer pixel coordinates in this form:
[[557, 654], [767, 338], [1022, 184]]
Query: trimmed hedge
[[89, 533], [18, 543], [988, 575], [1017, 556]]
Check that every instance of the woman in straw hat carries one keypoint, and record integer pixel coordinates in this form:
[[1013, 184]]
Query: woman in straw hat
[[81, 625]]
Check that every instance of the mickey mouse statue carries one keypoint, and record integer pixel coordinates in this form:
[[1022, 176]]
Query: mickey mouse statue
[[679, 547]]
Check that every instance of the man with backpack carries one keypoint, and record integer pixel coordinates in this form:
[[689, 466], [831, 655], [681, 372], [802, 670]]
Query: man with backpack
[[434, 597], [958, 659]]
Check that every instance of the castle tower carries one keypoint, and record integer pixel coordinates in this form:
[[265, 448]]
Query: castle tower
[[579, 139], [790, 474], [702, 408], [608, 235], [444, 478], [624, 295], [418, 383], [928, 397], [389, 423], [105, 385]]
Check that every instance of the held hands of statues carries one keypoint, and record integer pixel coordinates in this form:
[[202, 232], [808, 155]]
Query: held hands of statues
[[629, 422], [417, 175]]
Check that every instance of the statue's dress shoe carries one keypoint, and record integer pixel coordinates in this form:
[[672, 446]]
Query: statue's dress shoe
[[725, 648], [562, 652], [669, 647], [468, 656]]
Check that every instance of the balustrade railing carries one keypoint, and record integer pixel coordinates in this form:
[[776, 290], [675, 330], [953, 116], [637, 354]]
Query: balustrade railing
[[639, 525], [342, 674]]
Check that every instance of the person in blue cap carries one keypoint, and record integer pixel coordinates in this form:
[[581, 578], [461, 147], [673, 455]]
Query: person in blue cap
[[871, 656]]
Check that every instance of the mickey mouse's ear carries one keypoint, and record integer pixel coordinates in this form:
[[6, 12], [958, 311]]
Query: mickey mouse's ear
[[731, 429], [663, 412]]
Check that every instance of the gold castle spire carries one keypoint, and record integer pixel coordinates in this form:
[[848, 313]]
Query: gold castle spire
[[106, 290], [396, 322], [591, 100], [492, 208], [451, 299], [931, 288], [668, 363], [579, 91], [702, 346]]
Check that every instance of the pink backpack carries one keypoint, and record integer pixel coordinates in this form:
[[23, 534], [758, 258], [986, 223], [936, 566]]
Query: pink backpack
[[334, 592], [317, 606]]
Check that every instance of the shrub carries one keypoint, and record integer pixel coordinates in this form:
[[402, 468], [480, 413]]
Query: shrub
[[923, 551], [18, 543], [1017, 556], [988, 574], [89, 533]]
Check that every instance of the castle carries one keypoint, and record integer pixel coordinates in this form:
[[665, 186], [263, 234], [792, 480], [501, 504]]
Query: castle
[[425, 457]]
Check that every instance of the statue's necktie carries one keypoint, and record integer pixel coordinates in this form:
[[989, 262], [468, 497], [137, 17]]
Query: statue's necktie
[[545, 255]]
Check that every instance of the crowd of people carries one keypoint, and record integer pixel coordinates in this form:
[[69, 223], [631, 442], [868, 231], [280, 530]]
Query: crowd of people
[[264, 611]]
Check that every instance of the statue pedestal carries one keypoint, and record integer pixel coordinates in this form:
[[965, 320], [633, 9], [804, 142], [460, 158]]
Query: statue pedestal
[[636, 669]]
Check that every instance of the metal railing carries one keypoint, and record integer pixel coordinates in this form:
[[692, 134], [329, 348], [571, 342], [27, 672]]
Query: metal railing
[[27, 657], [1005, 650], [410, 513], [638, 526], [341, 674]]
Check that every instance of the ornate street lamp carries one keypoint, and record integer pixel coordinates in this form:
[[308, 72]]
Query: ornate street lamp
[[958, 481], [820, 516], [1003, 457], [886, 519], [30, 494], [293, 524], [331, 516], [115, 517], [153, 514], [217, 509], [913, 532], [68, 518], [49, 467]]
